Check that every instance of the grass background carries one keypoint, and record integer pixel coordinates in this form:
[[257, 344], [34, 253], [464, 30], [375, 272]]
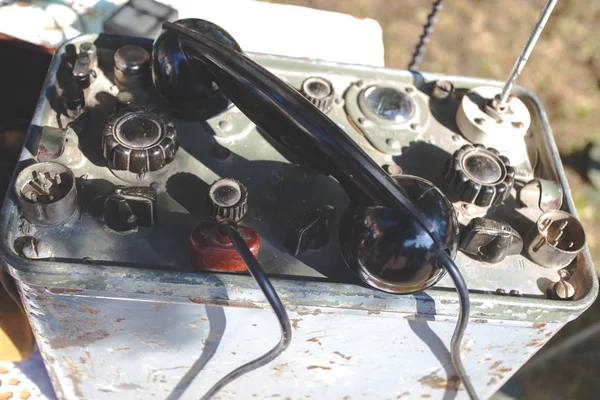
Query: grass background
[[482, 38]]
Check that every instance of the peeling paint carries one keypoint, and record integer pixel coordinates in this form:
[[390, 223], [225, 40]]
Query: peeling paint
[[535, 342], [63, 342], [87, 309], [437, 382], [61, 291], [295, 322], [308, 311], [317, 367], [76, 375], [539, 325], [343, 356], [129, 386]]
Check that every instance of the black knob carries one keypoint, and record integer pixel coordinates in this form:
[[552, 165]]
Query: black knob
[[73, 100], [139, 139], [132, 67], [185, 85], [127, 208], [479, 175], [318, 91], [490, 241], [227, 198], [310, 231]]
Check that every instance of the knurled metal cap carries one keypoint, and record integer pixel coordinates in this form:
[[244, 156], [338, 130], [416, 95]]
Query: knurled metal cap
[[479, 175], [318, 91], [139, 139], [227, 198]]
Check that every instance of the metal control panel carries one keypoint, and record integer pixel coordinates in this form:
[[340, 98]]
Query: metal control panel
[[77, 229]]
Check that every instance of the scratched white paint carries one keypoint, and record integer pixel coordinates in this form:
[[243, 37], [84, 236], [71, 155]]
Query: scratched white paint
[[146, 348]]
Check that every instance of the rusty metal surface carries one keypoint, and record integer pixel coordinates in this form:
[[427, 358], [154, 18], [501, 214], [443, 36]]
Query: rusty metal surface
[[99, 347], [119, 314]]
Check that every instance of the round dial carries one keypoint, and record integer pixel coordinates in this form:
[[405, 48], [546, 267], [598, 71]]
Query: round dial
[[139, 139], [227, 198], [479, 175], [318, 91]]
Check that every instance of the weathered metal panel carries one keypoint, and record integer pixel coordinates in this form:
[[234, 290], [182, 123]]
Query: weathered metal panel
[[122, 318]]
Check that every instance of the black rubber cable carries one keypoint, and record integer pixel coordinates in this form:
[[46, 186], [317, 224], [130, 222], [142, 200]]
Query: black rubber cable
[[424, 38], [229, 229], [461, 324]]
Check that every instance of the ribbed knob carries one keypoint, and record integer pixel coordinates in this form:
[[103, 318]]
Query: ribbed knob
[[479, 175], [139, 139], [227, 198], [318, 91]]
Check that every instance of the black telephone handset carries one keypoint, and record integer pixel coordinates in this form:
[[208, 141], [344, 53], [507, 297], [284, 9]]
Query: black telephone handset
[[399, 234], [395, 229]]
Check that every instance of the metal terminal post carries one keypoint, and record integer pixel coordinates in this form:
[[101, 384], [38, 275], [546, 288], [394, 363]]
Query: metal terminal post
[[46, 193], [500, 102]]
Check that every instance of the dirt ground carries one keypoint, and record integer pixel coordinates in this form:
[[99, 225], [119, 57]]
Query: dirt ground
[[482, 39]]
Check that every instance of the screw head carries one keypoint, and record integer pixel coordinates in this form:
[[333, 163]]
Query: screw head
[[36, 249], [442, 89], [225, 126], [563, 290], [394, 169], [393, 143]]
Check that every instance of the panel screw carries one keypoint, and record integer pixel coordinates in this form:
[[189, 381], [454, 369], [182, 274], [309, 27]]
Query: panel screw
[[393, 143], [225, 126], [36, 249], [442, 89], [514, 292], [563, 290], [394, 169], [500, 291]]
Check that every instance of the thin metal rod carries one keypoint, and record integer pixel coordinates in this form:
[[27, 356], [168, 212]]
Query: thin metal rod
[[526, 52], [461, 324]]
